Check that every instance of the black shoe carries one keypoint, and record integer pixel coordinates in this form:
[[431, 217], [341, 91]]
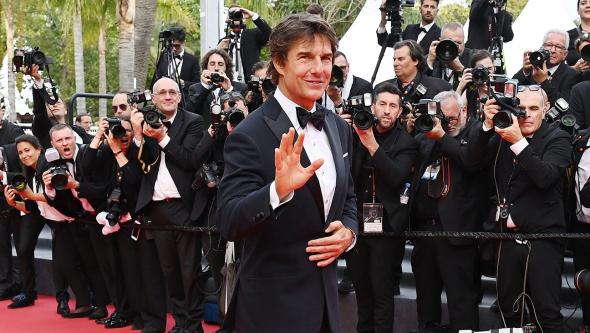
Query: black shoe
[[117, 321], [98, 312], [63, 308], [345, 286], [21, 300], [80, 313]]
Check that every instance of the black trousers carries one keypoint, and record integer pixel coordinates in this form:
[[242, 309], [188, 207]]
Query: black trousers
[[30, 227], [180, 258], [543, 281], [153, 291], [582, 261], [9, 275], [436, 265], [372, 268]]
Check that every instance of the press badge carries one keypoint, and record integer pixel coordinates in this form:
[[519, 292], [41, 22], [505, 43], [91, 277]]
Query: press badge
[[431, 172], [372, 217]]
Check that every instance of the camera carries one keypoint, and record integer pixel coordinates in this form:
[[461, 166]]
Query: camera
[[208, 175], [504, 91], [235, 19], [57, 168], [360, 109], [582, 281], [480, 76], [115, 127], [557, 111], [426, 111], [497, 3], [447, 50], [216, 79], [28, 58], [165, 34], [585, 52], [337, 78], [137, 97], [233, 115], [257, 84], [539, 57], [394, 5], [18, 182], [152, 116], [115, 204]]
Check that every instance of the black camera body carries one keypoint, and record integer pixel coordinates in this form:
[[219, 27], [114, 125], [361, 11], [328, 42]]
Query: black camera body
[[538, 58], [57, 168], [165, 34], [504, 91], [235, 19], [138, 97], [115, 206], [216, 79], [18, 182], [28, 58], [219, 117], [115, 127], [426, 111], [337, 78], [394, 5], [480, 76], [257, 84], [447, 50], [208, 175], [359, 107], [152, 116]]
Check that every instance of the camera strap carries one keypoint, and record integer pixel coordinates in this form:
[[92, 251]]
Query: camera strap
[[373, 212], [145, 167], [445, 180]]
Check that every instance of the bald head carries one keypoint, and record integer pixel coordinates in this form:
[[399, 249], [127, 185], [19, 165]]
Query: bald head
[[165, 81]]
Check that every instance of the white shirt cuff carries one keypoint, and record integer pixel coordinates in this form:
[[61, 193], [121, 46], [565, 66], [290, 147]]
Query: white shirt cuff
[[485, 128], [518, 147], [274, 197], [164, 141], [4, 180], [255, 17], [353, 241], [38, 84], [381, 30]]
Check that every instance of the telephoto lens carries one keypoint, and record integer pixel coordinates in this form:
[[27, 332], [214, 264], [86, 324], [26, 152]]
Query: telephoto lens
[[537, 58], [447, 50]]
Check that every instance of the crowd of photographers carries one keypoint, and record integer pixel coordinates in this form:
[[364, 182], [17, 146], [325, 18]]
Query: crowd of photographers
[[449, 144]]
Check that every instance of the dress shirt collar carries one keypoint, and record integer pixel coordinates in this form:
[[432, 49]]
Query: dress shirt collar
[[553, 69], [289, 108], [428, 26], [171, 119]]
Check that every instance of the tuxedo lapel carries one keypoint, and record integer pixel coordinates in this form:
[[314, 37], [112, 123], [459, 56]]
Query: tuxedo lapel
[[176, 124], [331, 129]]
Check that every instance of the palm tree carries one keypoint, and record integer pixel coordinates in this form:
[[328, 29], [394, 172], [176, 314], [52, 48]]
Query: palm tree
[[126, 19], [144, 26], [9, 20], [79, 56]]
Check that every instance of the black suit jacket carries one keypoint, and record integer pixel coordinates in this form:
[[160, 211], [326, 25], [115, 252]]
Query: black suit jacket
[[274, 265], [465, 206], [251, 43], [479, 16], [200, 98], [560, 84], [437, 67], [434, 86], [580, 103], [411, 32], [185, 132], [572, 53], [9, 132], [190, 72], [536, 185], [392, 164]]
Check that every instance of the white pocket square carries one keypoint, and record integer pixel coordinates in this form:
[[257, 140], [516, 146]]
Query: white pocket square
[[345, 155]]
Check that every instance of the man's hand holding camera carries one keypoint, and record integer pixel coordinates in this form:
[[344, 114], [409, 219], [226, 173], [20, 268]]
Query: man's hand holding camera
[[334, 94], [437, 131], [511, 134], [540, 74], [156, 133], [432, 53], [225, 84], [367, 138], [10, 195], [581, 65]]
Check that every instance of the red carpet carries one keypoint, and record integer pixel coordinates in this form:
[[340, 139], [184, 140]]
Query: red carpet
[[42, 318]]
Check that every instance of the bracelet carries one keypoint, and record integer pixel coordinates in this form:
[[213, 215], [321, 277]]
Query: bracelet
[[117, 153]]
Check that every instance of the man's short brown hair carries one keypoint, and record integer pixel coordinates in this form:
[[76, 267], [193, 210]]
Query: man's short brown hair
[[292, 29]]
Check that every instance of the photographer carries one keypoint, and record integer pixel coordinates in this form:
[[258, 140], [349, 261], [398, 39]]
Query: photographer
[[381, 166], [529, 159], [259, 87], [548, 69], [579, 100], [476, 92], [48, 113], [166, 197], [244, 45], [351, 85], [482, 15], [573, 55], [448, 194], [216, 79], [453, 56], [424, 33], [121, 106]]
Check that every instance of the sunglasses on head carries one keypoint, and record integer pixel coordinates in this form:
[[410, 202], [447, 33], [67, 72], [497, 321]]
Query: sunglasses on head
[[123, 107]]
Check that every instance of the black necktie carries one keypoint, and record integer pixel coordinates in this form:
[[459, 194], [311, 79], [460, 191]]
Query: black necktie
[[167, 124], [316, 118], [422, 29]]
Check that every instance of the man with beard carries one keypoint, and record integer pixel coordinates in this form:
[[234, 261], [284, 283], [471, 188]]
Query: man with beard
[[555, 76]]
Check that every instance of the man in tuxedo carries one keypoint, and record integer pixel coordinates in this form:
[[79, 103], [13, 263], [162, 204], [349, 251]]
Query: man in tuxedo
[[483, 14], [352, 85], [449, 71], [244, 45], [555, 76], [293, 207], [580, 94], [166, 198], [529, 159], [185, 66], [424, 33], [448, 194], [204, 94], [381, 166]]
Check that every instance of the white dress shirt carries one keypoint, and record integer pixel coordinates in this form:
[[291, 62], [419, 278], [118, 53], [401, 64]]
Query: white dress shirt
[[176, 65], [583, 213], [316, 146], [422, 33], [164, 188]]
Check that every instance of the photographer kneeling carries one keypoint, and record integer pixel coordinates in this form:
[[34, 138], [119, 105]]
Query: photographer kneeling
[[529, 159]]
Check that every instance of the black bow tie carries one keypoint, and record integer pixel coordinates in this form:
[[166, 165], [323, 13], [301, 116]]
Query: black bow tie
[[178, 56], [316, 118], [422, 29], [167, 124], [68, 160]]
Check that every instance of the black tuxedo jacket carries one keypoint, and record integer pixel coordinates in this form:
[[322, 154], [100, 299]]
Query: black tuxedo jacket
[[580, 103], [200, 98], [392, 164], [9, 132], [190, 72], [411, 32], [465, 206], [251, 43], [572, 53], [274, 265], [560, 84], [185, 132], [437, 67], [479, 16], [434, 86], [535, 188]]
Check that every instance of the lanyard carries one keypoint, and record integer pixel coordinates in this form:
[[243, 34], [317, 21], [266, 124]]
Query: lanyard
[[373, 181]]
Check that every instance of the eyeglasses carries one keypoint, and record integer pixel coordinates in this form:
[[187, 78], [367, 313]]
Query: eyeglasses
[[172, 93], [531, 87], [123, 107], [549, 46]]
